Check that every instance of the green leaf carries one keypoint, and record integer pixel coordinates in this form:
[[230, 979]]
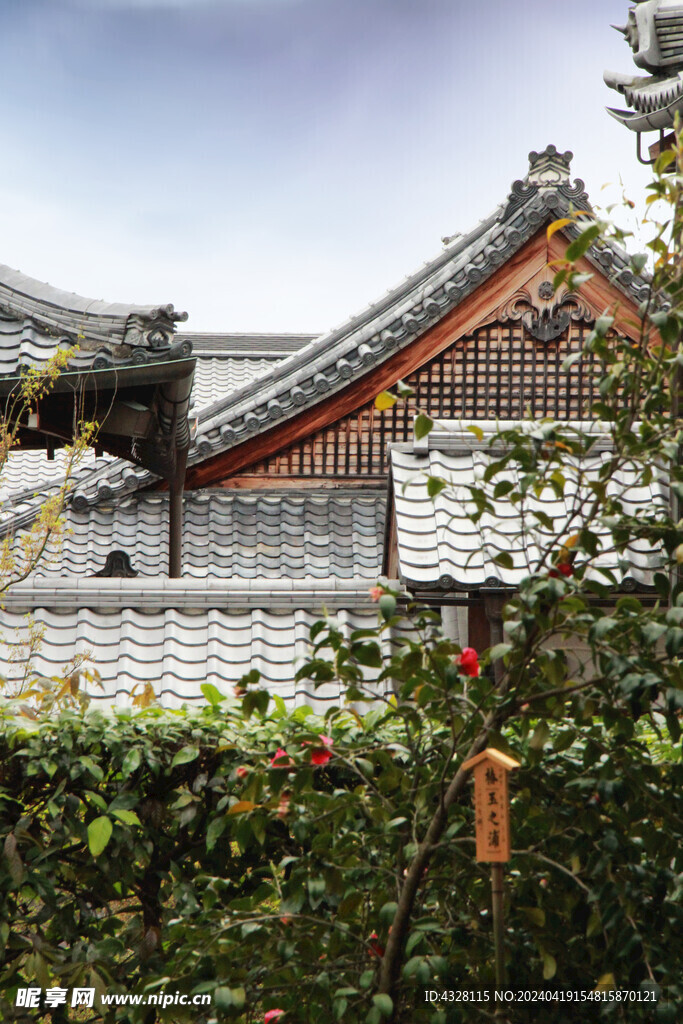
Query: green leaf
[[580, 246], [435, 485], [504, 559], [99, 834], [384, 1004], [639, 262], [127, 817], [423, 425], [576, 280], [184, 756], [387, 912], [369, 655], [14, 861], [215, 831], [602, 325], [131, 761], [540, 737], [212, 694]]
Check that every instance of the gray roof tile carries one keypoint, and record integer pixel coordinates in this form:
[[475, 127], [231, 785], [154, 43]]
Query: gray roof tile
[[249, 535], [440, 548], [175, 651]]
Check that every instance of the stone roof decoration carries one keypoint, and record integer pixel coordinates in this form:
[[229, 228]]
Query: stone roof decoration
[[131, 373], [441, 550], [332, 361], [654, 31]]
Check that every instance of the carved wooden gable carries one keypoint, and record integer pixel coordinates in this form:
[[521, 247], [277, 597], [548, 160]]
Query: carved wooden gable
[[499, 355], [503, 369]]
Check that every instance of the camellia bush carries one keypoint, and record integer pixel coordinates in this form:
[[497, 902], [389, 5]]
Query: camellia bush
[[300, 869]]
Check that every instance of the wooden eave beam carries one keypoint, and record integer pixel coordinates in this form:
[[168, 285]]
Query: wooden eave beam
[[477, 309]]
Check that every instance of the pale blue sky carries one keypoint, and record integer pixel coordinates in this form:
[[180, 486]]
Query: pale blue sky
[[277, 164]]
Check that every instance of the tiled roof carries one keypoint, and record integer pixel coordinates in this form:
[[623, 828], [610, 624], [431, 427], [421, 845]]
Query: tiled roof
[[28, 478], [269, 346], [440, 548], [37, 319], [330, 362], [175, 650], [241, 534], [217, 376]]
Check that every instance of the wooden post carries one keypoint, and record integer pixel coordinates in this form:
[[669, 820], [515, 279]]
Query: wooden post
[[175, 517], [498, 922], [492, 822]]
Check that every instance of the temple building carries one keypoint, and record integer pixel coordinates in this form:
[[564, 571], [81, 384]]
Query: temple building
[[242, 485]]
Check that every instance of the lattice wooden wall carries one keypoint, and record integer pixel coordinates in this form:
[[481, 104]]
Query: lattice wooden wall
[[497, 373]]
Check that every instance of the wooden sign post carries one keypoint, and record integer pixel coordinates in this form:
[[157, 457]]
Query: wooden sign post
[[492, 821]]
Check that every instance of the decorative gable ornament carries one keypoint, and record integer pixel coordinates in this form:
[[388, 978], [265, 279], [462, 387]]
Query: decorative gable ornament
[[654, 31], [546, 317]]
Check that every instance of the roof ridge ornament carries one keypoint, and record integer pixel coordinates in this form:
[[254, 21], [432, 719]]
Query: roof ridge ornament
[[654, 31], [548, 177]]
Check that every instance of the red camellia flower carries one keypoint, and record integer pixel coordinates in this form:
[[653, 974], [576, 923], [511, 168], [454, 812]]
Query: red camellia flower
[[320, 756], [272, 1015], [376, 948], [468, 662], [242, 771], [566, 568], [280, 756]]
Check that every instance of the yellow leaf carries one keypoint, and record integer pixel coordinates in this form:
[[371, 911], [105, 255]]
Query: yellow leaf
[[147, 697], [549, 966], [241, 806], [557, 225], [606, 981], [385, 400]]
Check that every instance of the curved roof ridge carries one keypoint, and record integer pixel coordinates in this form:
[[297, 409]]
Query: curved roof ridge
[[17, 288]]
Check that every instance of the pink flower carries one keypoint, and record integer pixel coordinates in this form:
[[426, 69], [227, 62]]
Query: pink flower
[[376, 593], [280, 755], [327, 740], [468, 662], [242, 771], [272, 1015]]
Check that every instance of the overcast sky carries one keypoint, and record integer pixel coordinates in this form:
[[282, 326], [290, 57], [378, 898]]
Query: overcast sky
[[275, 165]]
